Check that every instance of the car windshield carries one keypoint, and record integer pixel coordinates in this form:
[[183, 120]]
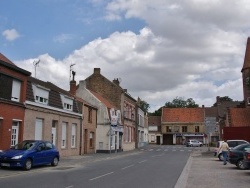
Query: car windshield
[[25, 145]]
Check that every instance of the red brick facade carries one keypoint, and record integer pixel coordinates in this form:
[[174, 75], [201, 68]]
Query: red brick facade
[[11, 112]]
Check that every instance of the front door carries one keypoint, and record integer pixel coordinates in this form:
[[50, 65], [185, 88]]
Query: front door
[[14, 133]]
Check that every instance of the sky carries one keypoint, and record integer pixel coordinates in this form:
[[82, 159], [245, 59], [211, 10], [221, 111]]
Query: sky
[[159, 49]]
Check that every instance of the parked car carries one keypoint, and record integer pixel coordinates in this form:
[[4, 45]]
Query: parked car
[[196, 143], [246, 161], [30, 153], [231, 144], [235, 155]]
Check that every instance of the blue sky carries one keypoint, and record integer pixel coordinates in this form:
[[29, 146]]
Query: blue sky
[[56, 27], [160, 49]]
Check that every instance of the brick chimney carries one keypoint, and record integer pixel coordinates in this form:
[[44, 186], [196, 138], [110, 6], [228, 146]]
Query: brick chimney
[[97, 71], [73, 84]]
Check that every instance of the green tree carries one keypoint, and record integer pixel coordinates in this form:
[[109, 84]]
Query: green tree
[[223, 99], [180, 102], [156, 112], [144, 106]]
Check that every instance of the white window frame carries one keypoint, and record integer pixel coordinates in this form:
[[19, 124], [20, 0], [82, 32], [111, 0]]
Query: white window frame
[[16, 90], [41, 94], [14, 133], [67, 102], [248, 100], [64, 135], [73, 135]]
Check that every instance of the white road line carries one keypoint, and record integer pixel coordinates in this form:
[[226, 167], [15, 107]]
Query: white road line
[[69, 186], [101, 176], [127, 167], [142, 161], [157, 155]]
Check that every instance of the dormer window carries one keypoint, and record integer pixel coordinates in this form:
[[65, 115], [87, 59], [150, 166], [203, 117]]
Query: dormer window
[[248, 100], [67, 102], [41, 94]]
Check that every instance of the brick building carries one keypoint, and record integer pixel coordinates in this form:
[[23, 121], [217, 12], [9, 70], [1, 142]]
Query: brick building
[[13, 82], [121, 99]]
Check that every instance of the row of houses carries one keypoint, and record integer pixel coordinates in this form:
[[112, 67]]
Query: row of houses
[[224, 120], [96, 115]]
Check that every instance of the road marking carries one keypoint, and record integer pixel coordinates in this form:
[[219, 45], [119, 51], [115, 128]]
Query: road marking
[[69, 186], [142, 161], [166, 150], [157, 155], [127, 167], [101, 176]]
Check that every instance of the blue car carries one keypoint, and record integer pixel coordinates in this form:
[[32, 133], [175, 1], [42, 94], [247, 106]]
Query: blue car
[[30, 153]]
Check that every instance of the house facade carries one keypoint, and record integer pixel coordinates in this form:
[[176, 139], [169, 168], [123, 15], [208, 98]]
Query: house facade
[[179, 125], [154, 130], [13, 83], [106, 134], [142, 123], [53, 114], [122, 101]]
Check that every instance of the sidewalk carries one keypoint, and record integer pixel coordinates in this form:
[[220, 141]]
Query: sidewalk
[[204, 170]]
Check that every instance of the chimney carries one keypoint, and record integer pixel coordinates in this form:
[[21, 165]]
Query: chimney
[[116, 81], [73, 84], [97, 71]]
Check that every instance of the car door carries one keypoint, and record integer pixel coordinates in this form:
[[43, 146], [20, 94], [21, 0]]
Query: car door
[[49, 152], [39, 157]]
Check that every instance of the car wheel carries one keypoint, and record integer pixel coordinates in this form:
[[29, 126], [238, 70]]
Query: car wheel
[[55, 161], [27, 164], [220, 156], [240, 164]]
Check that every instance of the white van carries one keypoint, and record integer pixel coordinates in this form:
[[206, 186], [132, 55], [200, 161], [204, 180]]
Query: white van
[[231, 144]]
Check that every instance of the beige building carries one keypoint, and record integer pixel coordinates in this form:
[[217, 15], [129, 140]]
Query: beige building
[[53, 114]]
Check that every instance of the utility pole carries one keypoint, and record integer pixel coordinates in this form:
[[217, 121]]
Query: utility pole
[[36, 63]]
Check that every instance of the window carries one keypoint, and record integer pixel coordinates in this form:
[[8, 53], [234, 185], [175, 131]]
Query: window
[[90, 115], [67, 102], [184, 129], [41, 94], [169, 129], [153, 138], [64, 135], [16, 88], [39, 129], [48, 146], [73, 135], [197, 129], [91, 139]]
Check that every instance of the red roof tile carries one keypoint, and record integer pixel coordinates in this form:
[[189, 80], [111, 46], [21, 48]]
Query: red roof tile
[[239, 117], [154, 120], [184, 115]]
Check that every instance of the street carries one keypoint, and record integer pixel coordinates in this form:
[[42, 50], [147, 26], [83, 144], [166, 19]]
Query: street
[[154, 166]]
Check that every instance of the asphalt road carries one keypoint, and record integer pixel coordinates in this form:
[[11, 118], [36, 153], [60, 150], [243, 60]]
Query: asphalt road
[[158, 166]]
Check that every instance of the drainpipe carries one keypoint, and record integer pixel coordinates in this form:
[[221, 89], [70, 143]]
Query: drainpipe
[[81, 137]]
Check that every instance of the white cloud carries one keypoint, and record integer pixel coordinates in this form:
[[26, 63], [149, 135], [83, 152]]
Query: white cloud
[[10, 34], [191, 49]]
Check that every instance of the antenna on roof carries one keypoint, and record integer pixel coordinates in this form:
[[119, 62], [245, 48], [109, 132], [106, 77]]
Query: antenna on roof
[[70, 69], [36, 63]]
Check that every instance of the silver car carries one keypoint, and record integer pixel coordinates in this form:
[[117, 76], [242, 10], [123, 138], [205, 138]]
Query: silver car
[[195, 143]]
